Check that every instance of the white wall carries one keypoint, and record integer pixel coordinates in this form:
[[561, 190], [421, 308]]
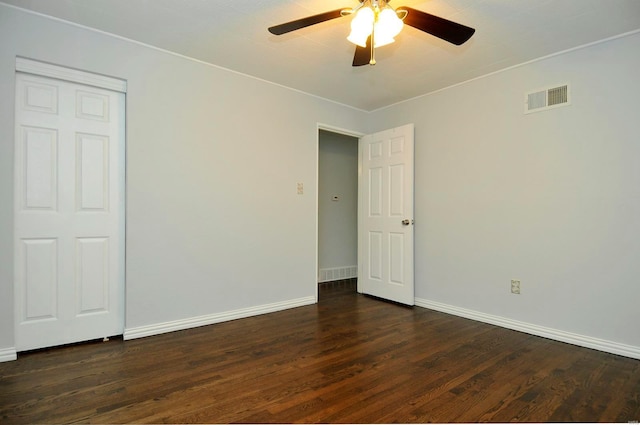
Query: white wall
[[214, 223], [337, 220], [550, 198]]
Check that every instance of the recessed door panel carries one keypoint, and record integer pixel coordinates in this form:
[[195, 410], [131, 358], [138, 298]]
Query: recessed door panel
[[396, 258], [38, 151], [92, 106], [39, 271], [375, 255], [375, 192], [374, 150], [92, 179], [92, 274], [396, 191], [396, 145], [40, 97]]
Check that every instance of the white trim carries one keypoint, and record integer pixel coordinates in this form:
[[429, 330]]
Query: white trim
[[339, 130], [67, 74], [210, 319], [8, 354], [555, 334]]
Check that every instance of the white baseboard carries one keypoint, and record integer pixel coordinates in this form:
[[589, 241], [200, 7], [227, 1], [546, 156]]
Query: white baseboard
[[8, 354], [210, 319], [555, 334]]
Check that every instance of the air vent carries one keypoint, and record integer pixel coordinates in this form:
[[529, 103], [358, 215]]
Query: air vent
[[546, 99]]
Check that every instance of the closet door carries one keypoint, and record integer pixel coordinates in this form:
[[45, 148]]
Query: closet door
[[69, 185]]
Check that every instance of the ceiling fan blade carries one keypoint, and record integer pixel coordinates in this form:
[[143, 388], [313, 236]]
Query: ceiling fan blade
[[363, 54], [304, 22], [442, 28]]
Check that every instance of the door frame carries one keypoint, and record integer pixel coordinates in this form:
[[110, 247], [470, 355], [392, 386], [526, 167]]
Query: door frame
[[58, 72], [337, 130]]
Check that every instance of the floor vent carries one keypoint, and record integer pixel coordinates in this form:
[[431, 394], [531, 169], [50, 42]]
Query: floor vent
[[546, 99], [337, 273]]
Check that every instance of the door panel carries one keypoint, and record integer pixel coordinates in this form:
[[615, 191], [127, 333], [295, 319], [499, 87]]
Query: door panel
[[92, 180], [69, 281], [39, 97], [92, 265], [385, 215], [396, 258], [375, 256], [375, 192], [39, 266], [39, 153]]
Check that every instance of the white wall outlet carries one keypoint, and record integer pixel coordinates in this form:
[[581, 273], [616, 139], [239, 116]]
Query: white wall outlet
[[515, 286], [300, 188]]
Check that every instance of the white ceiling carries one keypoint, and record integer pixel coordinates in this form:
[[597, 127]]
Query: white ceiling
[[317, 60]]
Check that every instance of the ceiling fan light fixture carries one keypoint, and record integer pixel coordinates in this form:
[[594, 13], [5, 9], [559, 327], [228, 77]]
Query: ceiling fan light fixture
[[387, 26], [388, 23], [362, 26], [378, 18]]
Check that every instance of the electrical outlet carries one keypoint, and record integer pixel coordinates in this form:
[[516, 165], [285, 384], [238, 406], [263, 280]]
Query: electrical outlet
[[300, 188], [515, 286]]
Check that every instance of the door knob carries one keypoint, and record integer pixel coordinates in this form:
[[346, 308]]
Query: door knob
[[406, 222]]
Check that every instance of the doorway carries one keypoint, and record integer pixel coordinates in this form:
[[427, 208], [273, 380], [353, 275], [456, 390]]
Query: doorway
[[384, 214], [337, 211]]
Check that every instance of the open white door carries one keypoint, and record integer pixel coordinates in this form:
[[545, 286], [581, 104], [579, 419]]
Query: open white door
[[385, 215], [69, 255]]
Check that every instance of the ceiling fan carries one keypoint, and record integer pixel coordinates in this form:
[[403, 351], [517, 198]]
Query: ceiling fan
[[376, 24]]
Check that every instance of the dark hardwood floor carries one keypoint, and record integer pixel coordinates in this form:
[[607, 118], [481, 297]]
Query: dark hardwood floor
[[348, 359]]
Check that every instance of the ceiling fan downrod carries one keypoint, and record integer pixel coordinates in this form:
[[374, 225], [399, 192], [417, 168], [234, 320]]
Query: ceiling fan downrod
[[372, 61]]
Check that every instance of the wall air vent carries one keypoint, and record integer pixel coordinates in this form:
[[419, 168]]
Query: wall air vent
[[542, 100]]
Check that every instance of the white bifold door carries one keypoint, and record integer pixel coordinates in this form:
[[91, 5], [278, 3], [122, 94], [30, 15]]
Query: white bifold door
[[69, 221], [385, 215]]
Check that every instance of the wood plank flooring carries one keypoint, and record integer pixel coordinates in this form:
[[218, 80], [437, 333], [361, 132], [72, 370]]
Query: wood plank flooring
[[348, 359]]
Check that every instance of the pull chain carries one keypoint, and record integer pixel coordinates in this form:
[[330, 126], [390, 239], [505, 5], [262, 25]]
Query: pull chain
[[372, 61]]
